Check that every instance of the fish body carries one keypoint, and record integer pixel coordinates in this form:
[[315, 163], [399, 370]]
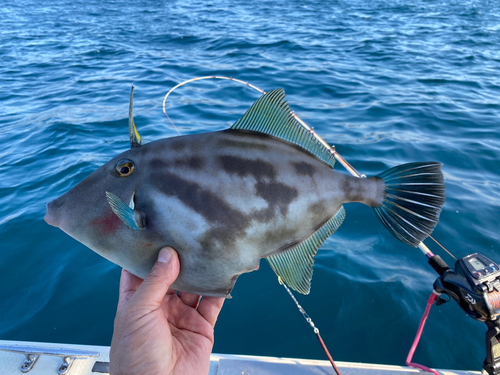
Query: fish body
[[224, 200]]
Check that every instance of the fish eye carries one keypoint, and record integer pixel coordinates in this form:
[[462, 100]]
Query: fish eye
[[125, 168]]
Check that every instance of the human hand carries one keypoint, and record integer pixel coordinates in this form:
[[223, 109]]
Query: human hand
[[158, 331]]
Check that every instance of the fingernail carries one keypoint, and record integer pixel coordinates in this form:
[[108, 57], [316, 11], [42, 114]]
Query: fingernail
[[165, 255]]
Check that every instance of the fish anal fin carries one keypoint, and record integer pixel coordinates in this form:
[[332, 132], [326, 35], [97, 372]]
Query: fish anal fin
[[295, 264], [271, 115]]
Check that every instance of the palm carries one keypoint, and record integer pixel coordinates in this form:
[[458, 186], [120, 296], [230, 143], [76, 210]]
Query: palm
[[192, 336], [169, 334]]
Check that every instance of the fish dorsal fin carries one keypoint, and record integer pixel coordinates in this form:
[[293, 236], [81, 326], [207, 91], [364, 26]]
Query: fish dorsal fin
[[135, 138], [271, 115], [295, 265]]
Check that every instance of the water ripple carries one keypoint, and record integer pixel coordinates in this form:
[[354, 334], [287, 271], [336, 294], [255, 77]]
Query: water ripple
[[386, 82]]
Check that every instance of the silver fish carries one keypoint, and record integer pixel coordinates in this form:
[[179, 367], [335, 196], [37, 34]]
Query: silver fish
[[265, 188]]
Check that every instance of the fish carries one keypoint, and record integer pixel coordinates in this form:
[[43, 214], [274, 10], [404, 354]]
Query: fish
[[264, 188]]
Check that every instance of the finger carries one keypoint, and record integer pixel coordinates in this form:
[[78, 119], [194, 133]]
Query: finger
[[128, 285], [210, 307], [156, 285], [129, 282], [189, 299]]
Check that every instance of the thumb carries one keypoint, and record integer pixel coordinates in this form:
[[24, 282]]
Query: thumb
[[155, 286]]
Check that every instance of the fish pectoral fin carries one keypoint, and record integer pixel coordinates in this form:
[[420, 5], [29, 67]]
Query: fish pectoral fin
[[295, 264], [133, 218], [271, 115]]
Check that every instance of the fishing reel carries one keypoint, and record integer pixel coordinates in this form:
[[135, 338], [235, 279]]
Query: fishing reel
[[474, 284]]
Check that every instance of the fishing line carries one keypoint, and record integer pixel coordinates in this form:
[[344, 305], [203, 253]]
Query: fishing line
[[199, 79], [175, 127], [311, 323], [342, 161], [442, 247]]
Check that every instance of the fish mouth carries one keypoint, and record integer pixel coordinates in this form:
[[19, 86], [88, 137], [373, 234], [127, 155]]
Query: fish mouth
[[49, 215]]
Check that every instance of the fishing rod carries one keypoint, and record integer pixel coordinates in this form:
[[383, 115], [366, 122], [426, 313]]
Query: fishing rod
[[311, 130], [474, 283]]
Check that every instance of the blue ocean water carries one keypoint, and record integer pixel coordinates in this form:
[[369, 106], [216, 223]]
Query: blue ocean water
[[385, 82]]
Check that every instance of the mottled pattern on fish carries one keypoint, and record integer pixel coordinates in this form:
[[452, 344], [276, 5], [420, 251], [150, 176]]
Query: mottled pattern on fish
[[226, 199]]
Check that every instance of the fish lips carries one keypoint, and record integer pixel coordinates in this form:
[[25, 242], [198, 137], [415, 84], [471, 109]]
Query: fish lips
[[50, 218], [54, 214]]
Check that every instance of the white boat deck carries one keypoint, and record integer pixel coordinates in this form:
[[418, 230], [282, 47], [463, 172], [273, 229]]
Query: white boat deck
[[95, 360]]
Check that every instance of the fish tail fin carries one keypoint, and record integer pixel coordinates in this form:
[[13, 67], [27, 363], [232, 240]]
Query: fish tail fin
[[414, 195]]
